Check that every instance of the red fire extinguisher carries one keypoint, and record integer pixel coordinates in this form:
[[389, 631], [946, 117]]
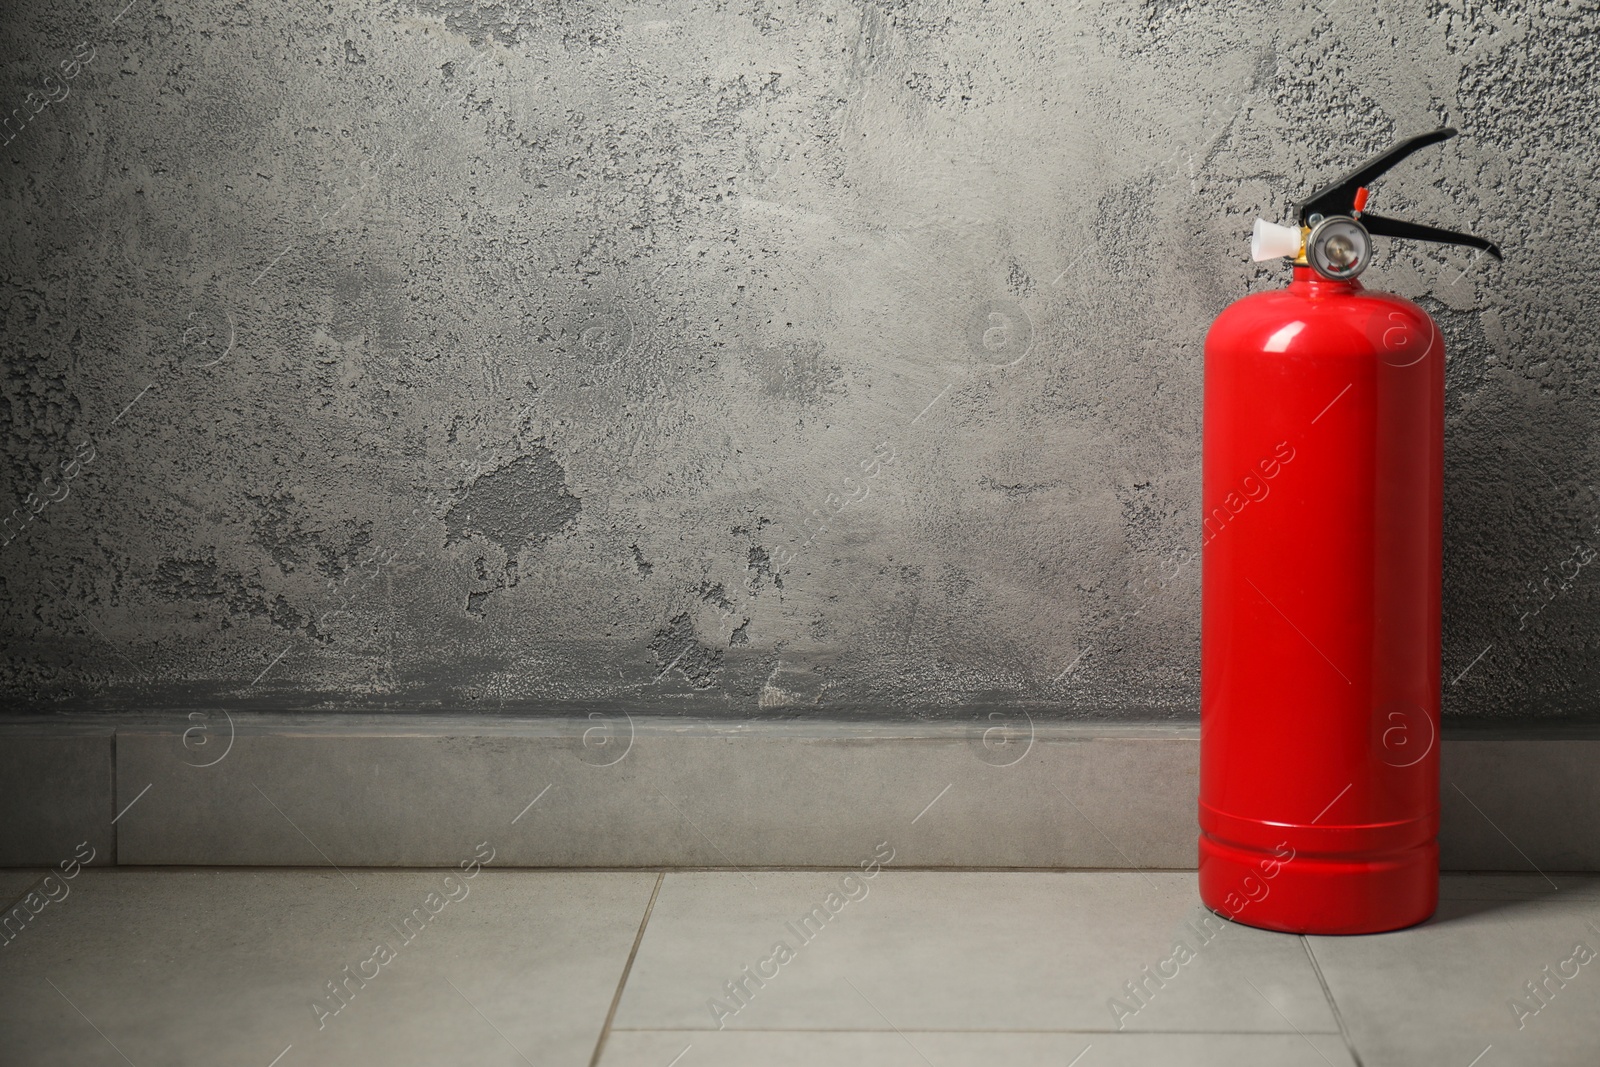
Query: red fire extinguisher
[[1323, 485]]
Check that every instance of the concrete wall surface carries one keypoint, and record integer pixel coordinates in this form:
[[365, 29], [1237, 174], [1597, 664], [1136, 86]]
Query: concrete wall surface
[[743, 357]]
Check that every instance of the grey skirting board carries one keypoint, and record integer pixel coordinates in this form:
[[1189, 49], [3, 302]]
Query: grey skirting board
[[615, 791]]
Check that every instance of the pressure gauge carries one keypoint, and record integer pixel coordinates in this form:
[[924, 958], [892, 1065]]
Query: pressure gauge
[[1338, 248]]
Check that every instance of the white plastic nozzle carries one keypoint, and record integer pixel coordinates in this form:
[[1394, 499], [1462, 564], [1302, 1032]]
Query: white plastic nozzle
[[1271, 241]]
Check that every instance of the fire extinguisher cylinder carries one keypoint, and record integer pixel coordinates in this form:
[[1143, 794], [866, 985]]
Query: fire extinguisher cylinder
[[1320, 599]]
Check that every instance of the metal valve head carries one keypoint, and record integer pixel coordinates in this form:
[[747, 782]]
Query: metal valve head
[[1338, 248]]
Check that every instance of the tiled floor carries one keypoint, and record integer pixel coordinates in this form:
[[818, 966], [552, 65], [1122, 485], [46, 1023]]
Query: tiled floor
[[152, 966]]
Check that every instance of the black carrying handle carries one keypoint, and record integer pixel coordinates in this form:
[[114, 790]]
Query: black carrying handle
[[1339, 198]]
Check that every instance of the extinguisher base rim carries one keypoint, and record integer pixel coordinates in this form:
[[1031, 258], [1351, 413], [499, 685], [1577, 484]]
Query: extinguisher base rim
[[1302, 893]]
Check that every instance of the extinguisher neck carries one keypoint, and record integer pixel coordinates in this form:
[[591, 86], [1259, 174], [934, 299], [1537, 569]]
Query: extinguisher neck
[[1308, 281]]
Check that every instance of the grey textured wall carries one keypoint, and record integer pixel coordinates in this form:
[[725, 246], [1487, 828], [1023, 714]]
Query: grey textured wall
[[738, 356]]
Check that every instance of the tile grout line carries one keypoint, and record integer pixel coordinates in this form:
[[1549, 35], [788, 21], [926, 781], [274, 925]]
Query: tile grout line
[[1333, 1005], [627, 969]]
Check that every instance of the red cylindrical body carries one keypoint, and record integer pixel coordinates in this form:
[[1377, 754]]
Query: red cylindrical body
[[1319, 707]]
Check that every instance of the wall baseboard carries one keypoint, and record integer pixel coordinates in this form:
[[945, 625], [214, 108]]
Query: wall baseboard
[[615, 791]]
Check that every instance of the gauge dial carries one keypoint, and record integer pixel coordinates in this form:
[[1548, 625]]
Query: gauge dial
[[1338, 248]]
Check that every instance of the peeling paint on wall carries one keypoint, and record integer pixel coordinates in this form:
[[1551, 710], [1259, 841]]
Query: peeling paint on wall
[[525, 502]]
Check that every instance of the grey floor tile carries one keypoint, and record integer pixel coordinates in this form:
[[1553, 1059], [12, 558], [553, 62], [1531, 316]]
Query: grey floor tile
[[925, 950], [1444, 992], [207, 967], [24, 896], [657, 1048]]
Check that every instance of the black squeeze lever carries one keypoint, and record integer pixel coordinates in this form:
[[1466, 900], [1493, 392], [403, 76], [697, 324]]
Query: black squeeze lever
[[1347, 196]]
